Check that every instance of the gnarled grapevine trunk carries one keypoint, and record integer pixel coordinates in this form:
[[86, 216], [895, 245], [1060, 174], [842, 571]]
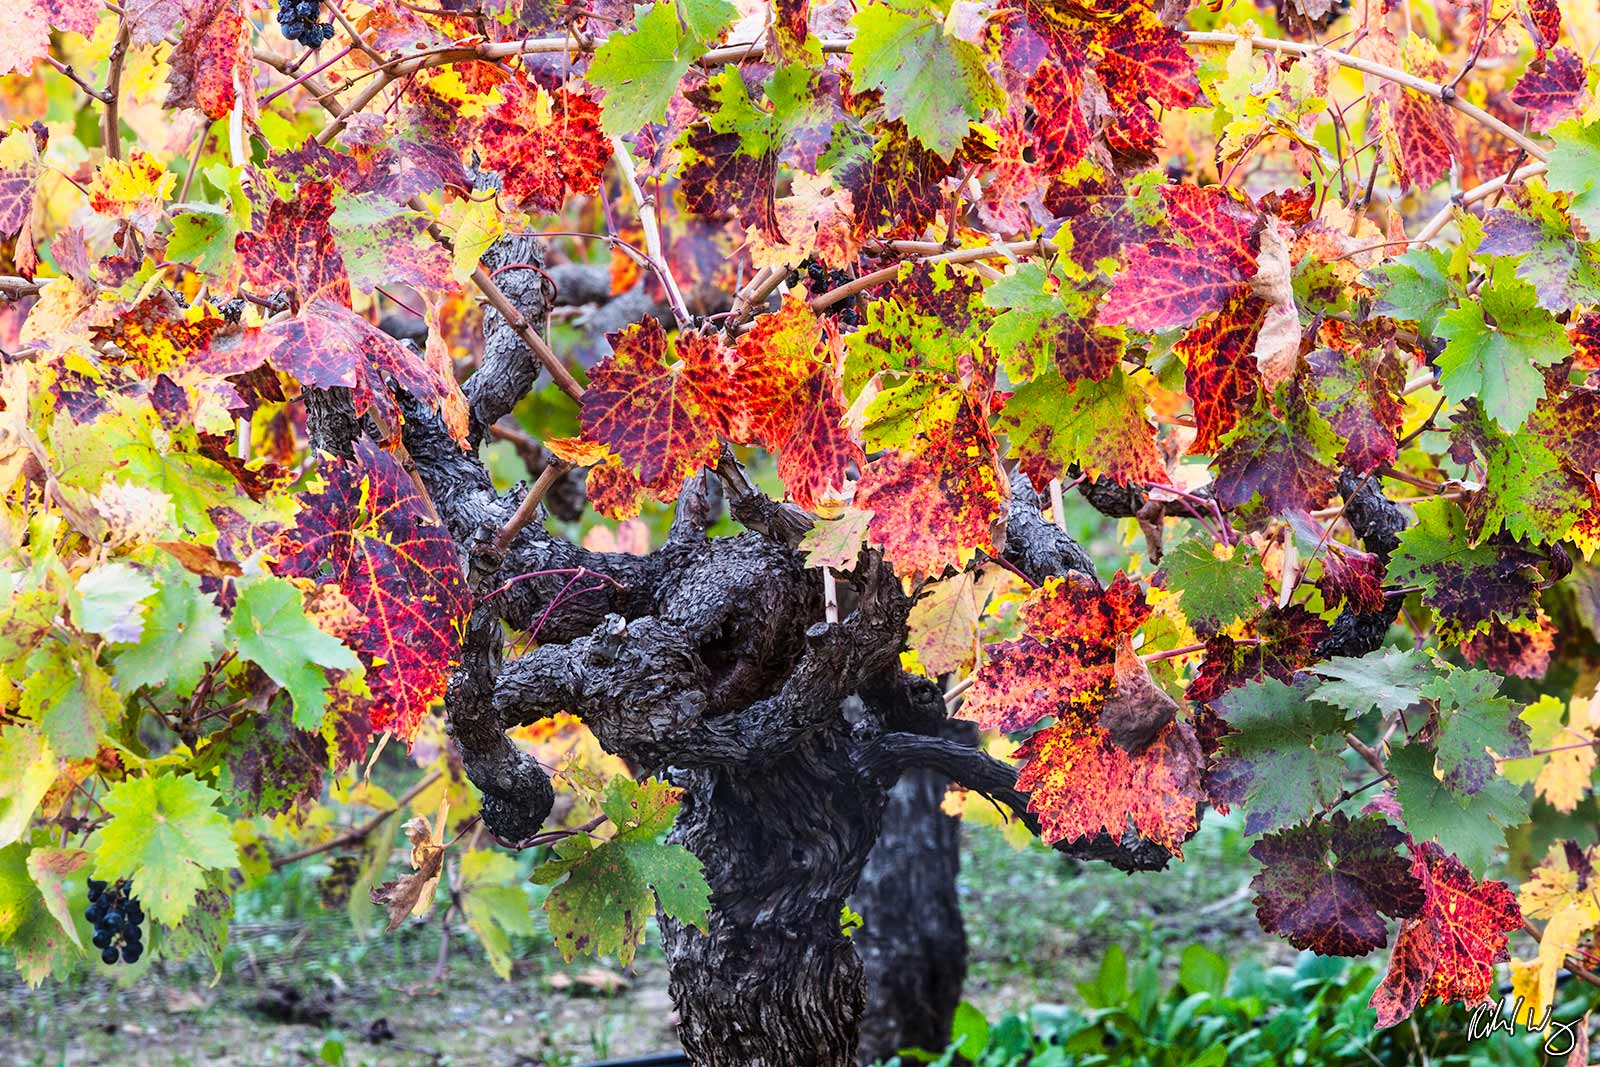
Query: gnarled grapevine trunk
[[775, 983]]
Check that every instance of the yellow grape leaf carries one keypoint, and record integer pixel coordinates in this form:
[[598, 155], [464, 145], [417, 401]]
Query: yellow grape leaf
[[1561, 896], [1564, 781]]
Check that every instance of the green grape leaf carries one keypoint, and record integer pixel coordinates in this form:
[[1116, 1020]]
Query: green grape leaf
[[35, 922], [165, 833], [495, 905], [1415, 287], [1472, 827], [108, 601], [270, 629], [1476, 725], [183, 636], [28, 768], [937, 83], [1284, 760], [640, 69], [70, 696], [1575, 169], [610, 888], [1495, 346], [1217, 584], [1390, 680]]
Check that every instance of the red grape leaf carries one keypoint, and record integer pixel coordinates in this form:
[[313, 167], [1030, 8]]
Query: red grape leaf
[[294, 249], [1554, 93], [1448, 951], [1356, 392], [1546, 16], [328, 346], [546, 145], [936, 506], [1353, 575], [1286, 460], [661, 406], [790, 401], [1064, 660], [212, 64], [1220, 373], [400, 570], [1169, 283], [1015, 179], [1326, 886], [1081, 783], [1521, 647], [1288, 638]]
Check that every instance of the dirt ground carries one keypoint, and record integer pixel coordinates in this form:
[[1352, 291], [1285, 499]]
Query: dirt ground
[[302, 990]]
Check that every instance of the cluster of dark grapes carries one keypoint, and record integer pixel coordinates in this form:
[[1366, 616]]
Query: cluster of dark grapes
[[116, 915], [819, 279], [298, 20]]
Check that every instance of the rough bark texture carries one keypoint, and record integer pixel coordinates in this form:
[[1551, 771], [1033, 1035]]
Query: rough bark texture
[[705, 661], [912, 942]]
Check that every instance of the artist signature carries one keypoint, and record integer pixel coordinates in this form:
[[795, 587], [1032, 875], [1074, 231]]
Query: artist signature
[[1509, 1013]]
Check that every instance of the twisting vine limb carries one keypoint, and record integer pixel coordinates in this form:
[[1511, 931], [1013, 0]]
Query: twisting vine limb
[[1377, 70]]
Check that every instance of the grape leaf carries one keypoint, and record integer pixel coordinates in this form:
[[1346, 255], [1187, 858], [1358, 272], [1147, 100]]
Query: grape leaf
[[1575, 169], [1472, 827], [1476, 725], [1528, 492], [943, 625], [39, 943], [661, 406], [183, 636], [269, 628], [547, 145], [1044, 320], [640, 69], [369, 531], [610, 888], [1065, 658], [1081, 783], [165, 832], [1098, 425], [1415, 287], [495, 905], [837, 542], [1169, 283], [1220, 373], [212, 59], [1389, 680], [1498, 364], [108, 600], [1285, 460], [1559, 893], [1448, 950], [1465, 586], [1563, 270], [1287, 640], [790, 401], [1283, 761], [1326, 886], [1356, 392], [28, 768], [935, 507], [1216, 583], [70, 696], [1554, 92], [901, 48]]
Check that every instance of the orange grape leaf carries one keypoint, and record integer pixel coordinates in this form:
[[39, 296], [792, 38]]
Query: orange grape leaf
[[1081, 783], [611, 488], [661, 406], [1099, 426], [1066, 657], [790, 400], [1448, 951], [547, 145], [398, 568], [935, 507]]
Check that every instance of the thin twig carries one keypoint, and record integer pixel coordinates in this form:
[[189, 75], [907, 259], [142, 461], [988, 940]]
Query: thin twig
[[111, 124], [360, 832], [652, 231], [530, 504]]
